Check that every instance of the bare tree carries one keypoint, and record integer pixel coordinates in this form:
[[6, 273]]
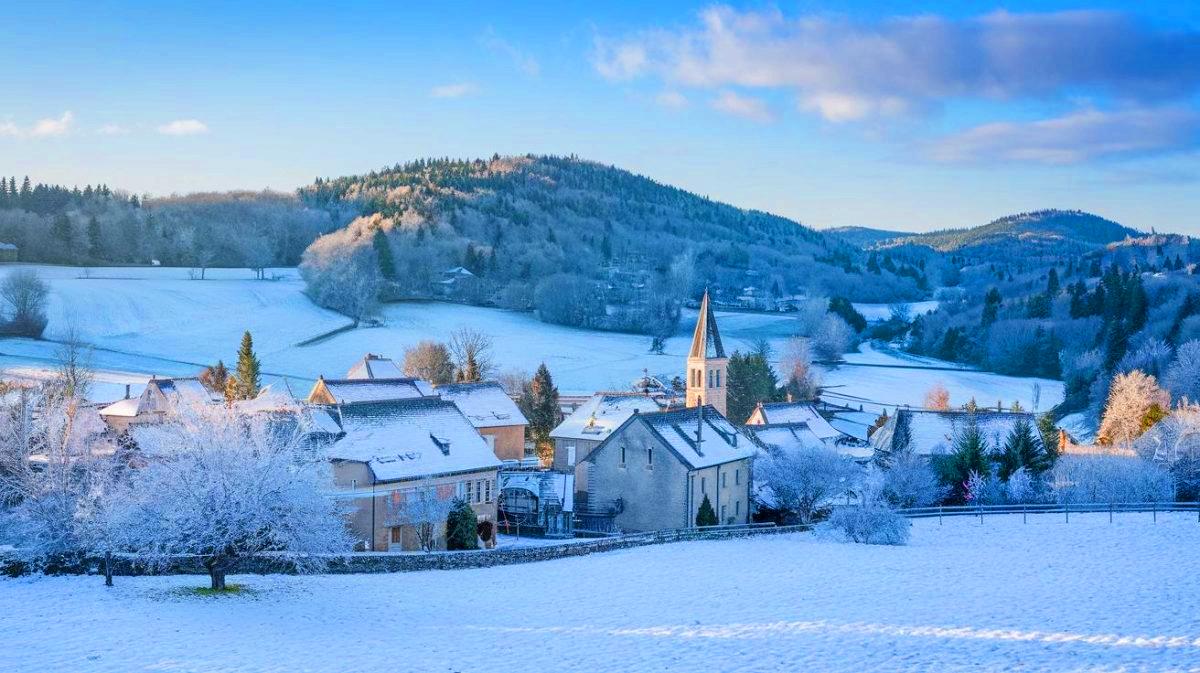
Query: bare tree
[[74, 374], [429, 360], [421, 508], [802, 383], [937, 397], [833, 338], [24, 294], [472, 351]]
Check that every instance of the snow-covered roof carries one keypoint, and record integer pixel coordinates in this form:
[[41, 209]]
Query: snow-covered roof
[[792, 437], [777, 413], [375, 367], [7, 246], [268, 399], [596, 418], [485, 404], [720, 442], [545, 484], [932, 432], [350, 391], [407, 439], [183, 391], [126, 408], [856, 424]]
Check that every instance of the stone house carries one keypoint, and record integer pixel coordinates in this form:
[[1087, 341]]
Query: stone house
[[158, 398], [654, 471], [589, 425], [493, 413], [392, 455], [792, 426]]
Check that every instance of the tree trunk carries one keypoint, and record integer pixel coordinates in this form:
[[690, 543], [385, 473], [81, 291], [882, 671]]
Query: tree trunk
[[217, 575], [108, 569]]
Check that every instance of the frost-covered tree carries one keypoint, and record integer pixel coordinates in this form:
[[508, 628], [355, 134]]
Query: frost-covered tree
[[429, 360], [1175, 443], [24, 295], [247, 380], [223, 485], [50, 463], [871, 520], [422, 510], [833, 338], [1134, 400], [807, 480], [909, 481], [937, 397], [1107, 479], [802, 383], [1182, 377]]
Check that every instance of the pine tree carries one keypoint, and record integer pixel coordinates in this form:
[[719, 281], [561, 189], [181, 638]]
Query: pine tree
[[248, 379], [461, 531], [544, 411], [968, 454], [991, 306], [1020, 450], [750, 381], [383, 253], [1052, 286], [215, 377], [706, 515], [95, 240]]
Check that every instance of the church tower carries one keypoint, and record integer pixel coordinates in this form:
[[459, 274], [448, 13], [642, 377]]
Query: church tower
[[707, 366]]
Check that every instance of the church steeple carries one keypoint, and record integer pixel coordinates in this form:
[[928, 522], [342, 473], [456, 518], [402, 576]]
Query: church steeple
[[706, 364]]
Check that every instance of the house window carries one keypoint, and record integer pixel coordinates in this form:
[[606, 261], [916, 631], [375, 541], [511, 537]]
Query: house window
[[722, 512], [622, 456], [649, 457], [468, 491], [737, 477], [737, 508], [703, 485], [718, 378], [724, 479], [479, 491], [353, 484], [487, 493], [710, 378], [396, 532]]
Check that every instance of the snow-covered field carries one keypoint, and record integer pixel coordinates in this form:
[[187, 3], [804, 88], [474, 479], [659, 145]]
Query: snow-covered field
[[147, 321], [1001, 596]]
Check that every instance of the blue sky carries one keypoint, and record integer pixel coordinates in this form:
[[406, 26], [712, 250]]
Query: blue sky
[[888, 114]]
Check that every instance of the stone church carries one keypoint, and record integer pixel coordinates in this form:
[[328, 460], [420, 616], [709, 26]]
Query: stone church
[[655, 470]]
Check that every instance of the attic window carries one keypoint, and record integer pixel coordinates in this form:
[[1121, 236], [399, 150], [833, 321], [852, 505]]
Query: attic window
[[441, 443]]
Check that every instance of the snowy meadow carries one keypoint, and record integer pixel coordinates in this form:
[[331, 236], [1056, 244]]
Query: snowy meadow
[[160, 321], [963, 596]]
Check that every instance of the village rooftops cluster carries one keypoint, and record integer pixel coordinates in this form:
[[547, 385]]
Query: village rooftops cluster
[[928, 432]]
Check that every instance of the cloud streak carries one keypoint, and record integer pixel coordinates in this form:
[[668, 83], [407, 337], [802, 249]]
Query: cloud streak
[[846, 70], [524, 61], [1078, 137], [183, 127], [746, 107], [42, 128], [456, 90]]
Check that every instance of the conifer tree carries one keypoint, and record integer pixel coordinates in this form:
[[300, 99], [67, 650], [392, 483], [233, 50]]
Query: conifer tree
[[248, 379], [969, 453], [706, 515], [461, 531], [543, 409], [383, 253], [991, 306], [1020, 451], [95, 240]]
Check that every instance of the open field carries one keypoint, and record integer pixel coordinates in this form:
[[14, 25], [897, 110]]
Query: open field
[[1001, 596], [147, 321]]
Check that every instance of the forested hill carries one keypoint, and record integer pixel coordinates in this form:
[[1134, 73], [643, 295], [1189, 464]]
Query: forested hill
[[534, 229], [865, 237], [1044, 232]]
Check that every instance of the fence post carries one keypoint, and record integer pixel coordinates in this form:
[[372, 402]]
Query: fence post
[[1154, 511], [939, 515], [1110, 509], [1023, 517], [1067, 511], [979, 509]]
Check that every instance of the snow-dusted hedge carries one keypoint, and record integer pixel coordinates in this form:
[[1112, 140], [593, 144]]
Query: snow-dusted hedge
[[1101, 479], [869, 524]]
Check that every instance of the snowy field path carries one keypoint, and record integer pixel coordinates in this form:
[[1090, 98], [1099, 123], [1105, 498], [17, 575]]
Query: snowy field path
[[1001, 596]]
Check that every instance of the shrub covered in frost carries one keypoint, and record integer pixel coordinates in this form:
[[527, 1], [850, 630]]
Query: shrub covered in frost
[[869, 524]]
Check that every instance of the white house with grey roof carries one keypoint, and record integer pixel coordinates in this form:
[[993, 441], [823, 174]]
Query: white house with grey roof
[[390, 451], [654, 470], [590, 424]]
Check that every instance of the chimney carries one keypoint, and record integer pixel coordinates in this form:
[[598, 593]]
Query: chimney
[[126, 391]]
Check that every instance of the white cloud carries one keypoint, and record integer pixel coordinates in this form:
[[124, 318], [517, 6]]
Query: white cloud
[[183, 127], [457, 90], [112, 130], [1074, 138], [848, 69], [671, 99], [524, 61], [52, 127], [9, 129], [746, 107]]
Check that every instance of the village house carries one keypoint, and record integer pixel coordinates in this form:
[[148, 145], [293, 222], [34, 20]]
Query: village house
[[589, 425], [351, 391], [931, 433], [654, 471], [373, 366], [159, 398], [393, 455], [493, 413], [793, 426]]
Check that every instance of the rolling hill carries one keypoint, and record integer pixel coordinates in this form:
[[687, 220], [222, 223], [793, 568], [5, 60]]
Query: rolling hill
[[1040, 233]]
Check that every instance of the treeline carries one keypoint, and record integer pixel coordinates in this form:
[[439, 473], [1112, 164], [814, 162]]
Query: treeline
[[1124, 308], [96, 225], [532, 230]]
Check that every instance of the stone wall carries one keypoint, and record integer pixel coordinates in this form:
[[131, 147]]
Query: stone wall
[[369, 562]]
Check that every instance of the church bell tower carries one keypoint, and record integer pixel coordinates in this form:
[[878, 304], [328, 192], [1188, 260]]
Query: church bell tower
[[707, 366]]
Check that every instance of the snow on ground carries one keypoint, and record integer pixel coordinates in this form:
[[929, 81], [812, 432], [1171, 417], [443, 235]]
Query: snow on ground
[[147, 320], [1001, 596]]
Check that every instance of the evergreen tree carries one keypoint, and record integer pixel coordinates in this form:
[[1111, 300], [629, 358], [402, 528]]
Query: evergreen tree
[[248, 380], [461, 523], [991, 306], [383, 253], [750, 381], [1021, 450], [706, 515], [95, 240], [542, 410], [969, 453], [1052, 286], [842, 307]]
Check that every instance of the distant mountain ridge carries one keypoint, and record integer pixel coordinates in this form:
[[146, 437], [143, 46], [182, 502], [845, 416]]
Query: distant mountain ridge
[[1042, 232], [865, 237]]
